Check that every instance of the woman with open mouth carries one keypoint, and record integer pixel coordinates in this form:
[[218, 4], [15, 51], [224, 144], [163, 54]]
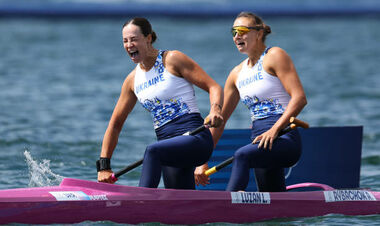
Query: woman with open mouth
[[163, 82]]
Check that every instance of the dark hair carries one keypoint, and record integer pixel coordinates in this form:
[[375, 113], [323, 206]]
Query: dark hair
[[258, 21], [144, 26]]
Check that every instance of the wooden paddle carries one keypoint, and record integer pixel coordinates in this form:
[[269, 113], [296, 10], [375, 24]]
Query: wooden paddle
[[294, 123], [139, 162]]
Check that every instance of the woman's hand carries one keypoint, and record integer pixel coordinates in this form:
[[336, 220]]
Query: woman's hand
[[215, 118], [266, 139], [105, 176], [200, 176]]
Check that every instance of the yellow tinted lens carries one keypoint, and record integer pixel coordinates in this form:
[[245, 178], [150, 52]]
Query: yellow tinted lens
[[233, 31], [239, 30]]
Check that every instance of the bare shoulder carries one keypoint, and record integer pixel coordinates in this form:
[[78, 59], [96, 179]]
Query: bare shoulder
[[173, 53], [131, 76], [179, 64], [173, 56], [276, 60], [276, 53], [238, 67], [234, 72]]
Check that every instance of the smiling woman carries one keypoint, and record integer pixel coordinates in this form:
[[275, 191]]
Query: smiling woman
[[268, 84], [132, 35], [163, 82]]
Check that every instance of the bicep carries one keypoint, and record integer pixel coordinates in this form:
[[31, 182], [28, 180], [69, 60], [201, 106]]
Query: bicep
[[187, 68], [291, 82], [284, 69]]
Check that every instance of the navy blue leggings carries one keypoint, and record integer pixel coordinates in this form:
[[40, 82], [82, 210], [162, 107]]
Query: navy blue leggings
[[176, 158], [268, 164]]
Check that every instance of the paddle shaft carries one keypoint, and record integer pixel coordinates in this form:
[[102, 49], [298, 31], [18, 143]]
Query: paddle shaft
[[139, 162], [128, 168], [294, 123]]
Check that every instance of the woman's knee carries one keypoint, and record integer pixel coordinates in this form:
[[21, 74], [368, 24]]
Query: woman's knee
[[152, 151], [241, 154]]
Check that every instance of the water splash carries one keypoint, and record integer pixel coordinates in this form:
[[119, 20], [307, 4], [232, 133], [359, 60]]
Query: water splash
[[40, 174]]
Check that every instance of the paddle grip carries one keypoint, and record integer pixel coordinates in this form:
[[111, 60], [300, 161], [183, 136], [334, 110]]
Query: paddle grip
[[113, 178], [294, 120], [220, 166]]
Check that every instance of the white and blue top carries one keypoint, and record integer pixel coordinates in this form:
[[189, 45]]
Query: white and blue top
[[261, 92], [163, 94]]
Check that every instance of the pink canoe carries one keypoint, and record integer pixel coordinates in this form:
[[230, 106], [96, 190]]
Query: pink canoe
[[77, 200]]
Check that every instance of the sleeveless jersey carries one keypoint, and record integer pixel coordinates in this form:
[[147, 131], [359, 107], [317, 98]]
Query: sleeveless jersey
[[262, 93], [163, 94]]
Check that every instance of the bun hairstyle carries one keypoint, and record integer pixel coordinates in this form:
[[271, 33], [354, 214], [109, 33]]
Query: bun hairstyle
[[258, 21], [144, 25]]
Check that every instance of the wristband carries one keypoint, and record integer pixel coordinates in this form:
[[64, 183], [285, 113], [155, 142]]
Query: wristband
[[103, 164]]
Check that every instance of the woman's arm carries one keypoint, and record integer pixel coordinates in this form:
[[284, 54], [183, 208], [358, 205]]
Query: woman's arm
[[181, 65], [124, 106], [231, 99], [278, 63]]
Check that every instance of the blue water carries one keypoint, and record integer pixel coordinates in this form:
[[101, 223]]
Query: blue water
[[60, 79]]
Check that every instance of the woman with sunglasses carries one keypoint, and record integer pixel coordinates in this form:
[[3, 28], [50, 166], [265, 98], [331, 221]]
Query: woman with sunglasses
[[268, 84], [163, 82]]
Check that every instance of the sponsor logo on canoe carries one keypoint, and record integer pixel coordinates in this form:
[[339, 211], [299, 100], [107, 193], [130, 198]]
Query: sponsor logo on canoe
[[348, 195], [69, 195], [250, 197], [75, 196]]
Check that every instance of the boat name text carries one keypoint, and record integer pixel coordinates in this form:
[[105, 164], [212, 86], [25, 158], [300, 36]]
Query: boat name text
[[250, 197], [348, 195]]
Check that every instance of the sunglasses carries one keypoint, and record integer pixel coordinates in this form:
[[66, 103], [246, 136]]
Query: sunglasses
[[241, 30]]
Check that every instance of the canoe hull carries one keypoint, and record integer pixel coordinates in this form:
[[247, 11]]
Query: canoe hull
[[78, 200]]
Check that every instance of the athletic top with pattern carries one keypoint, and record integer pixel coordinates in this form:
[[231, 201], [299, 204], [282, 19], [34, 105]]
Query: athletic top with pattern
[[261, 92], [163, 94]]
